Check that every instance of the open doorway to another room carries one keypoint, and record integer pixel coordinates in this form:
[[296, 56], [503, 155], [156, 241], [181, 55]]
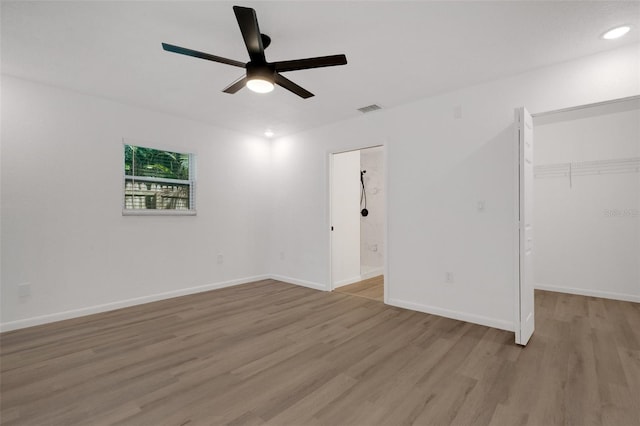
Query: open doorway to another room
[[357, 223], [587, 201], [583, 195]]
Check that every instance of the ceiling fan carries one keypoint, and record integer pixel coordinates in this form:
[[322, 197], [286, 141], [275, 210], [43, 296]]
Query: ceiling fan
[[261, 76]]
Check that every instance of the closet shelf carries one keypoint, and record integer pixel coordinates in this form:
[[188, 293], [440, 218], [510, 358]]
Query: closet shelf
[[584, 168]]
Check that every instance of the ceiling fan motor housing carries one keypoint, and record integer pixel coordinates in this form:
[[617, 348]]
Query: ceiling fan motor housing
[[261, 71]]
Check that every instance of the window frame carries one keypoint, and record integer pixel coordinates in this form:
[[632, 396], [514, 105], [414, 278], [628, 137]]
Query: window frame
[[191, 182]]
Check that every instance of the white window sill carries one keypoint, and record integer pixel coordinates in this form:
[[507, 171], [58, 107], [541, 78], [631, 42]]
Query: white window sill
[[155, 212]]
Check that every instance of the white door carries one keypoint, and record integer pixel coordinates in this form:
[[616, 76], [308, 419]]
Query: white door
[[526, 317], [345, 218]]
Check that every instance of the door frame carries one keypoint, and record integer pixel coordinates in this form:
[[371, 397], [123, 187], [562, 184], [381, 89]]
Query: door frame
[[329, 219], [516, 228]]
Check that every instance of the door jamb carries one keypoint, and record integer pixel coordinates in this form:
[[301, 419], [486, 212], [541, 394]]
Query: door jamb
[[516, 236]]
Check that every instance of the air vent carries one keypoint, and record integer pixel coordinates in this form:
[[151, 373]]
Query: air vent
[[369, 108]]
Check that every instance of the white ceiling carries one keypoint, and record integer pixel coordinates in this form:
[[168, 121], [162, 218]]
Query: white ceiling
[[397, 51]]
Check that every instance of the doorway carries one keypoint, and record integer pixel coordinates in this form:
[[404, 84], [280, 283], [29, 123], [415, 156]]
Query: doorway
[[357, 214], [587, 200], [585, 204]]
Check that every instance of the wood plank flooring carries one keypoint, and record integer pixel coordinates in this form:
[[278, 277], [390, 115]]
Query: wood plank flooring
[[279, 354], [372, 288]]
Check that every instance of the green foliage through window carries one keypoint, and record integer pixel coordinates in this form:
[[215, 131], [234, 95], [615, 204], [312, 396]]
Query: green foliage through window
[[157, 180], [140, 161]]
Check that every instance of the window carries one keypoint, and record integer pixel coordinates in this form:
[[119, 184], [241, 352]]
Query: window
[[158, 182]]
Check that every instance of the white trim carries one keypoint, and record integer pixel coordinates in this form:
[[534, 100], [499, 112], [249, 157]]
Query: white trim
[[587, 292], [348, 281], [516, 225], [59, 316], [457, 315], [328, 214], [158, 212], [387, 214], [303, 283], [372, 274], [75, 313]]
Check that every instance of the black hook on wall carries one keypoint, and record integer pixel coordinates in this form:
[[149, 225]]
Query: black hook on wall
[[363, 195]]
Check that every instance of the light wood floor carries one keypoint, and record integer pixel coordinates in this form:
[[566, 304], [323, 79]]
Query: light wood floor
[[280, 354], [373, 288]]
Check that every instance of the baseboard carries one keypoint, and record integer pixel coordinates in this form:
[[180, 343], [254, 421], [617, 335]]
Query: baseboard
[[372, 273], [592, 293], [462, 316], [296, 281], [75, 313], [348, 281], [59, 316]]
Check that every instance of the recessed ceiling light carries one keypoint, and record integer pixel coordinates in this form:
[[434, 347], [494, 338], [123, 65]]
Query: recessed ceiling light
[[616, 32], [269, 133]]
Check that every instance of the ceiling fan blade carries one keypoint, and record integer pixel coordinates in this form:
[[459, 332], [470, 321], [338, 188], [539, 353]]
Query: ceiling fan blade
[[248, 23], [236, 85], [292, 87], [303, 64], [201, 55]]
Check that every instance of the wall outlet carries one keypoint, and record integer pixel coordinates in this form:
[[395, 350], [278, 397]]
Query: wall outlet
[[281, 255], [24, 289], [448, 277], [457, 112], [220, 259]]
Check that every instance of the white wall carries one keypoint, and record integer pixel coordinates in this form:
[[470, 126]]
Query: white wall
[[587, 238], [372, 225], [438, 168], [345, 218], [62, 227], [272, 218]]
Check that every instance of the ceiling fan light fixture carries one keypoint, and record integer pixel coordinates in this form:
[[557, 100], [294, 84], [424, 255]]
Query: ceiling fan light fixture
[[260, 85]]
